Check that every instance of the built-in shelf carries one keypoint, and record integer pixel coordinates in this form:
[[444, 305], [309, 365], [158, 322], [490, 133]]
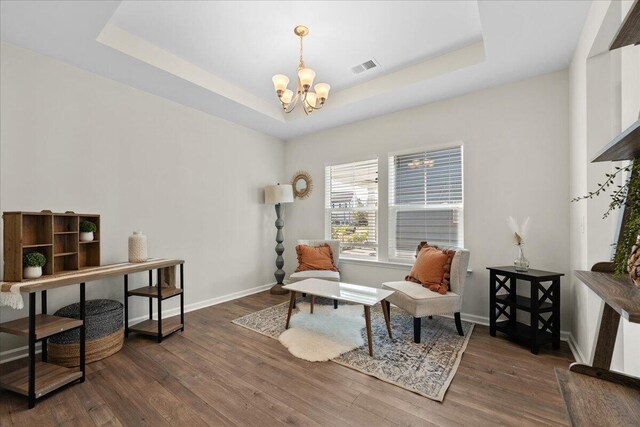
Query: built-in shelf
[[49, 377], [38, 245], [625, 146], [46, 325], [93, 241], [152, 292], [629, 31], [66, 232]]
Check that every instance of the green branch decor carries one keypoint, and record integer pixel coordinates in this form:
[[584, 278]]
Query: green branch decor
[[88, 227], [34, 259], [626, 195]]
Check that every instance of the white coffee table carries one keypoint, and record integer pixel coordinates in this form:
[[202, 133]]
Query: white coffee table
[[365, 295]]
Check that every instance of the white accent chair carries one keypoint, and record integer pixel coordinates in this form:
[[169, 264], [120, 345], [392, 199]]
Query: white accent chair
[[420, 301], [333, 276]]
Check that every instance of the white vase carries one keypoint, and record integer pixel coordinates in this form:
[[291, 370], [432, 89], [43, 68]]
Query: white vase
[[86, 236], [138, 247], [31, 272]]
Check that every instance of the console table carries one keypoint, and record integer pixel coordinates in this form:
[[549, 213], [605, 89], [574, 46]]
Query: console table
[[40, 378], [595, 395], [507, 304]]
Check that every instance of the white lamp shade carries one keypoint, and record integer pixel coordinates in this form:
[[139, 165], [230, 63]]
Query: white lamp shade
[[281, 193], [322, 90], [287, 96], [280, 82], [306, 76], [311, 99]]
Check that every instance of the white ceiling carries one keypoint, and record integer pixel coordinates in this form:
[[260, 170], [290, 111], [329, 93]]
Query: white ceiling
[[246, 43], [218, 57]]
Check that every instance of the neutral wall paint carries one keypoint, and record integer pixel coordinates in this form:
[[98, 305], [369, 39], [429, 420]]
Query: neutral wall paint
[[516, 148], [71, 140], [605, 99]]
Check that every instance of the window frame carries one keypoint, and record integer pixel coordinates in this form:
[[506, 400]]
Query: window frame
[[392, 209], [328, 211]]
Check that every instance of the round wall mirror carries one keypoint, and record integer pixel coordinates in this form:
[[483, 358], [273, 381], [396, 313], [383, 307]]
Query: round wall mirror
[[302, 185]]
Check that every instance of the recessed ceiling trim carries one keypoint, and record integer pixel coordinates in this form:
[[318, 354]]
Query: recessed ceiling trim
[[136, 47], [427, 70]]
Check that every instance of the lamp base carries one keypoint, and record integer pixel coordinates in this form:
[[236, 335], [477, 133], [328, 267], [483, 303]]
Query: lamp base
[[277, 289]]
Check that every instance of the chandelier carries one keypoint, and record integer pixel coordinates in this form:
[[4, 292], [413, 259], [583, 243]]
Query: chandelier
[[310, 100]]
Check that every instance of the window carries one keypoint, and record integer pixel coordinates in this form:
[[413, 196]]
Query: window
[[351, 204], [425, 201]]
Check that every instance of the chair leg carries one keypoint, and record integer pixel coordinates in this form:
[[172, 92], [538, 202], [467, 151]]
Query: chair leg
[[458, 323], [416, 329], [335, 303]]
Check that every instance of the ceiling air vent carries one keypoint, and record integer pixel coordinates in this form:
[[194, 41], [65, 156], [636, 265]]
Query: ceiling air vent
[[367, 65]]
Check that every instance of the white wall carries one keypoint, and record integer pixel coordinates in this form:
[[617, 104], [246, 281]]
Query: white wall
[[516, 159], [605, 99], [71, 140]]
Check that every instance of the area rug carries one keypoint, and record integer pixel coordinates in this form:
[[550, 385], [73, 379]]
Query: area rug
[[426, 368], [325, 334]]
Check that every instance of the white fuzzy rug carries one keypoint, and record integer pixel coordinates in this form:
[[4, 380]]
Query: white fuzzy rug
[[325, 334]]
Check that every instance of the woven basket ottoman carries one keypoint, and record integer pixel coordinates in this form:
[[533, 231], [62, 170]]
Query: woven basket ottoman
[[104, 333]]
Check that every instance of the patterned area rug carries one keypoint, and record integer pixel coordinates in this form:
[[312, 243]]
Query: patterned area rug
[[426, 368]]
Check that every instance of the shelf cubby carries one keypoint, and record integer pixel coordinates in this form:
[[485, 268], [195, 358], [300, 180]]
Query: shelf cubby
[[65, 243], [65, 263], [36, 229], [65, 223], [47, 251]]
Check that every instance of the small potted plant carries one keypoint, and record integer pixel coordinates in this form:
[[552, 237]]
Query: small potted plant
[[33, 263], [87, 228]]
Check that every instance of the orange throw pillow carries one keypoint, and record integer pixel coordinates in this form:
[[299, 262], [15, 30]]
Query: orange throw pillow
[[315, 258], [432, 268]]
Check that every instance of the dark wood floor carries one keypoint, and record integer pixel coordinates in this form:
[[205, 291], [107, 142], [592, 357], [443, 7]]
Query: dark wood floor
[[217, 373]]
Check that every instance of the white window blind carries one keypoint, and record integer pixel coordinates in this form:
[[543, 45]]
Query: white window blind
[[425, 201], [351, 204]]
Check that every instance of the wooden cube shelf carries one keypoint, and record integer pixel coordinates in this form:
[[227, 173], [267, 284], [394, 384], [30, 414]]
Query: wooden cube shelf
[[55, 235]]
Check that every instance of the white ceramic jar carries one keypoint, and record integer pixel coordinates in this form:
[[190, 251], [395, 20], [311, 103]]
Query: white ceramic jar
[[86, 236], [31, 272], [138, 247]]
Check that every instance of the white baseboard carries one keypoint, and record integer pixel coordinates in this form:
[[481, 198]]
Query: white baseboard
[[575, 349], [21, 352], [564, 335]]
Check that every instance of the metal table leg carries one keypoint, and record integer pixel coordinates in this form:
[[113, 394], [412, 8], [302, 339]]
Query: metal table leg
[[32, 350]]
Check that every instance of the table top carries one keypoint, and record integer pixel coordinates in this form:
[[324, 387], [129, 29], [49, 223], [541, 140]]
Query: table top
[[89, 274], [359, 294], [619, 292], [530, 274]]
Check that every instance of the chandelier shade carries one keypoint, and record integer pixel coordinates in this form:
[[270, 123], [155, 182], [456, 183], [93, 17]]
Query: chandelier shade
[[303, 94]]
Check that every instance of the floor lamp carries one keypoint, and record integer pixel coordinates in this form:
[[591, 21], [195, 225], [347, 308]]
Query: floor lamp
[[277, 195]]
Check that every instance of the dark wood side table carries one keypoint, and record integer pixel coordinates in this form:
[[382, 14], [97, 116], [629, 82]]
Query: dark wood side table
[[542, 304]]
